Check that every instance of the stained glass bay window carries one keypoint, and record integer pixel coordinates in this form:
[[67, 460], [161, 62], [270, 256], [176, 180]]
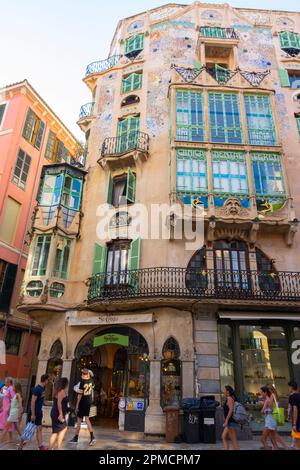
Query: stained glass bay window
[[191, 171], [229, 173], [268, 174], [260, 122], [224, 116], [189, 116]]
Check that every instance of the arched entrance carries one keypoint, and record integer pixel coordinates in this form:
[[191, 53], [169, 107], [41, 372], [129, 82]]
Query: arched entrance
[[118, 358]]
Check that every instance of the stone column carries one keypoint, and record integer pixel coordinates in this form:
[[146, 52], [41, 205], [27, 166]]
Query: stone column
[[42, 368], [155, 421], [67, 368], [188, 389]]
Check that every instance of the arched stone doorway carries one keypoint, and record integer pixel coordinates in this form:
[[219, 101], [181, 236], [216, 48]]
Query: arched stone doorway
[[119, 359]]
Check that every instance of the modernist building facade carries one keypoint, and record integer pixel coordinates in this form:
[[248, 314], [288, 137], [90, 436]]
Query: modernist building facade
[[198, 106], [31, 135]]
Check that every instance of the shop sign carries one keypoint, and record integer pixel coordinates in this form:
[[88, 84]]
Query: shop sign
[[111, 319], [111, 338]]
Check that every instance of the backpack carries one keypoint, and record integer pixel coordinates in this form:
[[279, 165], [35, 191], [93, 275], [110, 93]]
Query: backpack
[[240, 414]]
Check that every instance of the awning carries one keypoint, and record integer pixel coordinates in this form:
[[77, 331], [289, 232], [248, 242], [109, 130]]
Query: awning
[[258, 316]]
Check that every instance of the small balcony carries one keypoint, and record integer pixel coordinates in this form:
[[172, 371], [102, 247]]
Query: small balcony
[[213, 32], [182, 284], [86, 115], [98, 67], [125, 150]]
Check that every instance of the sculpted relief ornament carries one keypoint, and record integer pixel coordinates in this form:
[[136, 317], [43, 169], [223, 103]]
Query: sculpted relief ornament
[[232, 208]]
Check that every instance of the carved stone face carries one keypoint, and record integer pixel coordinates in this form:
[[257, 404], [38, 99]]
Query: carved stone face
[[232, 206]]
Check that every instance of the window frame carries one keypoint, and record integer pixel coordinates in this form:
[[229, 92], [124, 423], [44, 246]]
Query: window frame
[[17, 180], [290, 41], [2, 120], [191, 155], [189, 106], [227, 157], [37, 129], [60, 273], [16, 344], [217, 130], [132, 76], [298, 124], [262, 110], [134, 44], [41, 271], [267, 158]]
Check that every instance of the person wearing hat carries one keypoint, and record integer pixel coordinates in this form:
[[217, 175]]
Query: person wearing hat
[[83, 405]]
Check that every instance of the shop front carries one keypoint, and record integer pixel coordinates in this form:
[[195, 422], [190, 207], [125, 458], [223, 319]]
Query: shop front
[[254, 353], [118, 357]]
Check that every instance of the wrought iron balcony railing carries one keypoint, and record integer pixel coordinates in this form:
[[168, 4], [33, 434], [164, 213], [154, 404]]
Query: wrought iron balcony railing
[[87, 110], [115, 146], [217, 33], [172, 282], [100, 66]]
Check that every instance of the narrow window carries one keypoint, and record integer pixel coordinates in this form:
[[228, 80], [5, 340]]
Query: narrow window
[[189, 116], [62, 257], [40, 255], [259, 117], [225, 122], [33, 129], [2, 110], [21, 170]]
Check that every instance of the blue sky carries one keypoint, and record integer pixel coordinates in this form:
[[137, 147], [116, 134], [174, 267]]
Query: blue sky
[[51, 42]]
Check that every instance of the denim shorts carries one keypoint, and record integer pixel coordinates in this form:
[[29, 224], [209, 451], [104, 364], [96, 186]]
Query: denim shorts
[[233, 425], [270, 422]]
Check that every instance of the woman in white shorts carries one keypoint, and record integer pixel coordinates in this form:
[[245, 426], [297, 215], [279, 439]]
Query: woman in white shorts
[[270, 422]]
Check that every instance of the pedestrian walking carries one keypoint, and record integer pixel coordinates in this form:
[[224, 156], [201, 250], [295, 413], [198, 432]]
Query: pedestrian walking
[[15, 414], [270, 422], [294, 402], [59, 413], [35, 414], [230, 426], [8, 394], [83, 405], [275, 396]]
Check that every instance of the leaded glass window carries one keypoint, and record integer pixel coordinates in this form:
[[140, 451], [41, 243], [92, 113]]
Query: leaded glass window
[[189, 116], [259, 117], [40, 255], [191, 171], [229, 172], [62, 257], [225, 121], [268, 174]]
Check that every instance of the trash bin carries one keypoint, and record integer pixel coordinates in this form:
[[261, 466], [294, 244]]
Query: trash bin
[[208, 426], [172, 423], [191, 425], [207, 421]]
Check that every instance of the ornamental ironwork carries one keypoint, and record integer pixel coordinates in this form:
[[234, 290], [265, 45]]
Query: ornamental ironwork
[[100, 66], [188, 74], [254, 78]]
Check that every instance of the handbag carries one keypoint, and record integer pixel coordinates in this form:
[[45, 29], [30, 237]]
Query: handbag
[[279, 414], [28, 432]]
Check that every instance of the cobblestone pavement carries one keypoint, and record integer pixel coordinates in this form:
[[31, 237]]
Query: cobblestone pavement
[[110, 439]]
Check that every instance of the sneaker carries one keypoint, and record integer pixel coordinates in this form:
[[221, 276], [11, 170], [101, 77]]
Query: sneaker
[[74, 440], [92, 441], [43, 448]]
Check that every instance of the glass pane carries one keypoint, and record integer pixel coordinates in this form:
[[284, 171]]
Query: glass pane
[[226, 356]]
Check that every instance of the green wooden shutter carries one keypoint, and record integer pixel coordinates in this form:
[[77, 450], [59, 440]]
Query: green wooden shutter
[[128, 133], [134, 264], [39, 135], [29, 124], [60, 152], [135, 253], [284, 78], [110, 190], [130, 187], [99, 260], [50, 146]]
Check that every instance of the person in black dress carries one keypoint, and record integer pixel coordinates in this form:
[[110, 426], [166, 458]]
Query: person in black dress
[[59, 413]]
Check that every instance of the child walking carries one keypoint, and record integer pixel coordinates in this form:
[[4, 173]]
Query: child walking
[[14, 415]]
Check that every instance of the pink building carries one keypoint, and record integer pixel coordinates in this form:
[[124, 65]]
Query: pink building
[[31, 135]]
